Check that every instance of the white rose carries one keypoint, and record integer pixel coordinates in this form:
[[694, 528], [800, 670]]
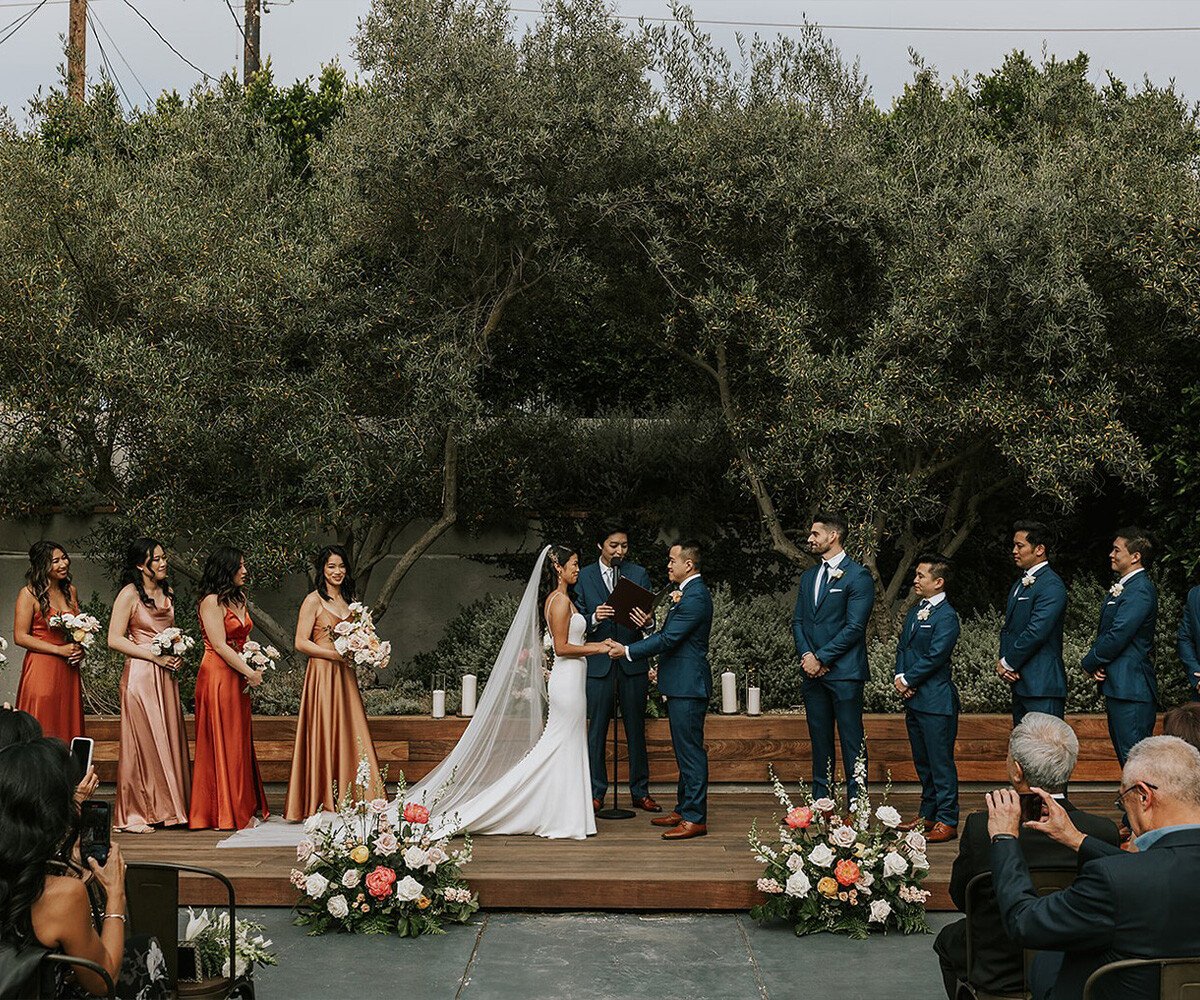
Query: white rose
[[843, 836], [379, 806], [915, 841], [920, 862], [337, 906], [795, 862], [408, 889], [888, 816], [351, 878], [880, 910], [313, 823], [893, 864], [435, 857], [386, 844], [866, 880], [316, 884], [821, 856], [414, 857], [798, 885], [823, 805], [304, 849]]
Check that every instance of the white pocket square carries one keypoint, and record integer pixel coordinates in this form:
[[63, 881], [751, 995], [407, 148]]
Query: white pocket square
[[1111, 602], [837, 590], [1022, 598], [926, 626]]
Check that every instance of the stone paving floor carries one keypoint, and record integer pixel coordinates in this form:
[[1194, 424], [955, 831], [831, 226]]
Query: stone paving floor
[[599, 956]]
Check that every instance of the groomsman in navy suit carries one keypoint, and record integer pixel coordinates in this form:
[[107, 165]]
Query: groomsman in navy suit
[[1031, 642], [931, 703], [1122, 657], [685, 678], [1189, 642], [596, 582], [830, 629]]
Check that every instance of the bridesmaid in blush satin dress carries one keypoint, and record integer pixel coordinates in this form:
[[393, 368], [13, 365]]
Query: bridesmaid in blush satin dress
[[152, 770], [332, 734], [50, 688], [227, 788]]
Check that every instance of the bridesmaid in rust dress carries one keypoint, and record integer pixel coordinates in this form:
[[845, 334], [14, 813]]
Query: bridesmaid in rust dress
[[332, 735], [152, 770], [50, 689], [227, 789]]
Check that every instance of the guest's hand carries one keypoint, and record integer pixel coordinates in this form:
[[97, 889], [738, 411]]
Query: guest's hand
[[87, 788], [112, 877], [604, 612], [640, 618], [1004, 812], [1055, 822], [616, 651]]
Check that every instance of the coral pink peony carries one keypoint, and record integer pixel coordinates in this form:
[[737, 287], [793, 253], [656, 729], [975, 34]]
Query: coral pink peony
[[415, 813], [847, 872], [380, 881], [799, 818]]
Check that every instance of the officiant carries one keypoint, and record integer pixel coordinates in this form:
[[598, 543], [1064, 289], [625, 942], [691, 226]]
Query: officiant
[[596, 582]]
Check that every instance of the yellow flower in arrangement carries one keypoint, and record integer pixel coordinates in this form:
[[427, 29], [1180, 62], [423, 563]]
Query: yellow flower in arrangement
[[360, 854], [828, 887], [423, 902]]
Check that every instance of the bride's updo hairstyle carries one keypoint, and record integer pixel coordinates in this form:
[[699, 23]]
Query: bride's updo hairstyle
[[558, 556]]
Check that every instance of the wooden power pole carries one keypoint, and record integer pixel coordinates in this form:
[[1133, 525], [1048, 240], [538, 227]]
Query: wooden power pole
[[77, 51], [250, 54]]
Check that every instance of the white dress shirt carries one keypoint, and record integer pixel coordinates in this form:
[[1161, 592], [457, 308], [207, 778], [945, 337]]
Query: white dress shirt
[[606, 574], [829, 565], [1130, 575]]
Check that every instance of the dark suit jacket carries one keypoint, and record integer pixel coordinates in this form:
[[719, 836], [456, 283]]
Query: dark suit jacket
[[923, 657], [590, 593], [835, 630], [1189, 639], [1124, 646], [1122, 905], [999, 963], [1031, 642], [682, 645]]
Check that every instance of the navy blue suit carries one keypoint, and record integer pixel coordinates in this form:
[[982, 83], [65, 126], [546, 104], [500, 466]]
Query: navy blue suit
[[1189, 641], [632, 683], [833, 627], [685, 677], [931, 715], [1124, 650], [1031, 643]]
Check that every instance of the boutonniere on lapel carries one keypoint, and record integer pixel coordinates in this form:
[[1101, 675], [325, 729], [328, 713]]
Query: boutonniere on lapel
[[676, 597], [1117, 589], [1028, 580], [837, 574], [923, 614]]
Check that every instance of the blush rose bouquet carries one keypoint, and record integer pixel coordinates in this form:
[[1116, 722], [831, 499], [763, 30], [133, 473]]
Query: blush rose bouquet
[[356, 640], [376, 867], [82, 628], [852, 877]]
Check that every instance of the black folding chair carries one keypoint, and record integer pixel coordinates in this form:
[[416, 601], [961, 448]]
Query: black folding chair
[[1179, 978], [44, 987]]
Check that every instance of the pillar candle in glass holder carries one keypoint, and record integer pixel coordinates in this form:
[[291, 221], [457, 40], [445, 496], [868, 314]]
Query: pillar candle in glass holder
[[754, 701], [729, 692], [439, 703], [469, 683]]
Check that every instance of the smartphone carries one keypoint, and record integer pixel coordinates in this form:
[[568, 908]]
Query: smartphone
[[1031, 807], [81, 751], [95, 833]]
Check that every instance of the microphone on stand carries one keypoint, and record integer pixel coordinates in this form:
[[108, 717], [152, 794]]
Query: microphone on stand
[[615, 812], [616, 568]]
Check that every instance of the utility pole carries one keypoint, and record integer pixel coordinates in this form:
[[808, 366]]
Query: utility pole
[[250, 54], [77, 51]]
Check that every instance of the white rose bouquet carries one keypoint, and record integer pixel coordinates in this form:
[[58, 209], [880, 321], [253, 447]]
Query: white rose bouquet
[[172, 642], [208, 933], [356, 640], [3, 647], [258, 656], [82, 628], [853, 877]]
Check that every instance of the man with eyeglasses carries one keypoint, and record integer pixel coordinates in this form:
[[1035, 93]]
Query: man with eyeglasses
[[1122, 905]]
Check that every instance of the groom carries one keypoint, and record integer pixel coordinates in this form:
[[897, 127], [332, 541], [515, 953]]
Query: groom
[[685, 677]]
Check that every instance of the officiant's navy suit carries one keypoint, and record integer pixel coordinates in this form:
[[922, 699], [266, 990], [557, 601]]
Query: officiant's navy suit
[[591, 591], [1189, 641], [685, 677], [832, 625], [1031, 644]]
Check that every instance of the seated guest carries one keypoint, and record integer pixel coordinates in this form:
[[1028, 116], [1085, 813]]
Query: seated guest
[[1122, 905], [1184, 722], [21, 727], [1042, 752]]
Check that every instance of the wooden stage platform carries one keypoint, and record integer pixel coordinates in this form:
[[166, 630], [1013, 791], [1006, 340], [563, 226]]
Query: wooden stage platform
[[625, 867]]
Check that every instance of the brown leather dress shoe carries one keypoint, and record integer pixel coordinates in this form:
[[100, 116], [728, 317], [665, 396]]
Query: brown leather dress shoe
[[685, 831], [648, 804], [596, 804], [917, 821], [670, 819], [939, 833]]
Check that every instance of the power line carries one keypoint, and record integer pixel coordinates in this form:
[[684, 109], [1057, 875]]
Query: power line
[[162, 38], [233, 14], [117, 49], [107, 62], [20, 22]]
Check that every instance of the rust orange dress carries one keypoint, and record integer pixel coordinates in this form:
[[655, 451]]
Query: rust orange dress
[[152, 770], [50, 689], [332, 735], [227, 788]]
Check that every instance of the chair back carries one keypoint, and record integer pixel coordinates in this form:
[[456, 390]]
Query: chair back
[[1179, 978], [45, 984], [152, 898]]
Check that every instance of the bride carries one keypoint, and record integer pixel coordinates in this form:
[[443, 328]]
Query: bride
[[508, 774]]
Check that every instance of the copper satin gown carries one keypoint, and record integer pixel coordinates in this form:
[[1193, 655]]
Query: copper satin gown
[[332, 734], [227, 788], [50, 688], [152, 770]]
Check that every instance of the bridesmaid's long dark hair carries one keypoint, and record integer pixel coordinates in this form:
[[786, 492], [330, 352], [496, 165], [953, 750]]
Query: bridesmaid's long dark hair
[[349, 590], [559, 555], [219, 570], [139, 553], [41, 555]]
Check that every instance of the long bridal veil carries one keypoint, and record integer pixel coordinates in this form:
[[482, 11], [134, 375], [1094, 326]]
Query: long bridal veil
[[508, 721]]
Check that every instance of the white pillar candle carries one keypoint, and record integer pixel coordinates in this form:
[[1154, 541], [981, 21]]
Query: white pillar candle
[[468, 695], [728, 692], [439, 704], [754, 701]]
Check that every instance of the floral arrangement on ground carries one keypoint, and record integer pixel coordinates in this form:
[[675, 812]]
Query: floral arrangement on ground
[[847, 875], [208, 933], [375, 867]]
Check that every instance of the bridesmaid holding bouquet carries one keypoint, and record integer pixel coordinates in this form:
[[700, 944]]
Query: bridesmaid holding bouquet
[[332, 734], [152, 770], [227, 788], [50, 688]]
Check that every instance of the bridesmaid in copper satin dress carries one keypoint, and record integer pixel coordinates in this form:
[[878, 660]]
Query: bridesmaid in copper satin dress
[[50, 688], [152, 771], [227, 788], [332, 735]]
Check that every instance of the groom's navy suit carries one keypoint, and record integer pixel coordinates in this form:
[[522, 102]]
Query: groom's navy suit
[[1031, 644], [685, 677], [832, 625], [633, 684]]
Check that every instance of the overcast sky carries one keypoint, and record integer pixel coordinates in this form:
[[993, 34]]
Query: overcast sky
[[301, 35]]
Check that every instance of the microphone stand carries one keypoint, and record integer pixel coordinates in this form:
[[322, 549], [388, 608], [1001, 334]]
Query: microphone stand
[[616, 812]]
